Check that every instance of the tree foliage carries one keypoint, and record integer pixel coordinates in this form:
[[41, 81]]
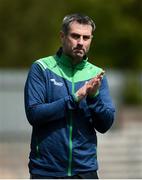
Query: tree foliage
[[30, 30]]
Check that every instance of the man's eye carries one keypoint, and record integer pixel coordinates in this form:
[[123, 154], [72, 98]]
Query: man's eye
[[75, 36], [86, 38]]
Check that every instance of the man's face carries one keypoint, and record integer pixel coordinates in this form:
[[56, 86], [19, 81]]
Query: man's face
[[77, 42]]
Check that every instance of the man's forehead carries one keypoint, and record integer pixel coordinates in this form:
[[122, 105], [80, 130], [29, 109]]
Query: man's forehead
[[78, 28]]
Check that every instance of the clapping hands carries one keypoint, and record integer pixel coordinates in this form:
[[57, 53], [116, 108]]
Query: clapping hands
[[90, 88]]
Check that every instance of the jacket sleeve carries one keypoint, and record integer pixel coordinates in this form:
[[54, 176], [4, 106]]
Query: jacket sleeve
[[37, 108], [102, 108]]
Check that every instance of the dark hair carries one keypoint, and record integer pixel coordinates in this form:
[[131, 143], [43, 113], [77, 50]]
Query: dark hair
[[80, 18]]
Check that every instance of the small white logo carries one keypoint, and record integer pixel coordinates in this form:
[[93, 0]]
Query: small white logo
[[56, 83]]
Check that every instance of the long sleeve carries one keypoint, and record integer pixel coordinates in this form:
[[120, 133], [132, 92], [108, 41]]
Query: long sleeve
[[102, 108], [37, 108]]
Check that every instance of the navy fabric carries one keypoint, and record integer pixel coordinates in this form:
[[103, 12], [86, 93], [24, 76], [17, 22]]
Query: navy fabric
[[88, 175]]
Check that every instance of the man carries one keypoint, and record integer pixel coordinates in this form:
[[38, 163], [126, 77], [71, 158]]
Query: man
[[66, 101]]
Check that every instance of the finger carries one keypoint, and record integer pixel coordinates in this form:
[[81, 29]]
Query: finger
[[94, 80], [101, 74]]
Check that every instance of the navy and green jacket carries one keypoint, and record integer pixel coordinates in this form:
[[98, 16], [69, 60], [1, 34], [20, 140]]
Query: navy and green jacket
[[64, 141]]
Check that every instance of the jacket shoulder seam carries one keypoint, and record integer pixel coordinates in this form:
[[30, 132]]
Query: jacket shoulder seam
[[46, 62]]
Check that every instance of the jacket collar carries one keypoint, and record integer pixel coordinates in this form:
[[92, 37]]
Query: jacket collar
[[67, 61]]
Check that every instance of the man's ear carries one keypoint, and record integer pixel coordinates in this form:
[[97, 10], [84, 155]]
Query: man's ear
[[62, 35]]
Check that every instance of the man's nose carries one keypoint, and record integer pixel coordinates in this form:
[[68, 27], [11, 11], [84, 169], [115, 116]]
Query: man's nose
[[80, 41]]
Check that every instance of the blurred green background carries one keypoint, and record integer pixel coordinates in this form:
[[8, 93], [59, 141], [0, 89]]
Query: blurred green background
[[29, 30]]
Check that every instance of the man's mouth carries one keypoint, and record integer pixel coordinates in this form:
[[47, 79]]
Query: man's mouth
[[77, 50]]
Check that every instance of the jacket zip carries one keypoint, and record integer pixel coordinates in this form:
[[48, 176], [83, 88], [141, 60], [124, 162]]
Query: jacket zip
[[69, 172], [70, 130]]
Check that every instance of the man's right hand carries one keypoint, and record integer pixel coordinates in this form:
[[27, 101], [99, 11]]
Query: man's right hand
[[83, 91], [90, 88]]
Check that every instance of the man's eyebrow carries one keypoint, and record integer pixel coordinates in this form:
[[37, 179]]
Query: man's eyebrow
[[86, 35], [75, 33]]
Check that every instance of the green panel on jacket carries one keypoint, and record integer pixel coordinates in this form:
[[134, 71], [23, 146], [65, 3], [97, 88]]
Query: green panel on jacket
[[62, 67]]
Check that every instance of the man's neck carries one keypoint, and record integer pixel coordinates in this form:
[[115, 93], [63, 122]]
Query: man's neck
[[76, 61]]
